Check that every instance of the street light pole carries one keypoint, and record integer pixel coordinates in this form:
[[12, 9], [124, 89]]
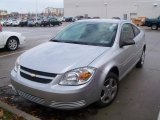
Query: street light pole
[[77, 5], [36, 10], [105, 4]]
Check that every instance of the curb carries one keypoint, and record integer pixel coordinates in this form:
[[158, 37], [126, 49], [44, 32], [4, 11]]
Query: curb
[[17, 112]]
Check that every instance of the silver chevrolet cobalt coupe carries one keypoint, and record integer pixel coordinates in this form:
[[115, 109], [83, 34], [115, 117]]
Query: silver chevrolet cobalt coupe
[[81, 65]]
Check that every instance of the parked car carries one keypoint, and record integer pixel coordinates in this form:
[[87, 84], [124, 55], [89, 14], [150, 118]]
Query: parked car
[[11, 40], [118, 18], [31, 23], [45, 22], [54, 22], [69, 19], [16, 22], [23, 22], [8, 23], [61, 19], [81, 65], [78, 18], [38, 21], [2, 22], [153, 23]]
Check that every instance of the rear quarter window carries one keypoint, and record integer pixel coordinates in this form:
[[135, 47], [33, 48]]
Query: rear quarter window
[[136, 30]]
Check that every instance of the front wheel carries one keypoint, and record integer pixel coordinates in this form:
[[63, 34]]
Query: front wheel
[[12, 44], [109, 90], [141, 61]]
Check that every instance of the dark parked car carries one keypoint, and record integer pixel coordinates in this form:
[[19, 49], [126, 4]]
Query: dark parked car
[[118, 18], [54, 22], [23, 23], [153, 23], [69, 19], [45, 22]]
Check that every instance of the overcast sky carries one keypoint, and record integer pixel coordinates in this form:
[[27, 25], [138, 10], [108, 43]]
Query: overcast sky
[[28, 5]]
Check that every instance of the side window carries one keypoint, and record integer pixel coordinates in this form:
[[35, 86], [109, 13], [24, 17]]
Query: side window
[[127, 32], [53, 20], [136, 30]]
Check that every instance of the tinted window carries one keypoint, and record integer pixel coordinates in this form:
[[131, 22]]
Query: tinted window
[[102, 34], [127, 32], [136, 30], [54, 20]]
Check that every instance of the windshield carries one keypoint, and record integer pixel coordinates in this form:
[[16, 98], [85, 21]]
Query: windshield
[[99, 34]]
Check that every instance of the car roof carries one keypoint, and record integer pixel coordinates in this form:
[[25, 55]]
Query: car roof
[[103, 20]]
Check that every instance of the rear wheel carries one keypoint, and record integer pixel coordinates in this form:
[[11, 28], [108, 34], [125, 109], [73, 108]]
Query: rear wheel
[[12, 44], [154, 27], [109, 90]]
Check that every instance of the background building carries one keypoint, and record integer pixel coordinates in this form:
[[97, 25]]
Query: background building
[[3, 14], [125, 9], [54, 11]]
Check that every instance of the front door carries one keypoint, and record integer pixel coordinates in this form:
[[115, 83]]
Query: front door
[[127, 53]]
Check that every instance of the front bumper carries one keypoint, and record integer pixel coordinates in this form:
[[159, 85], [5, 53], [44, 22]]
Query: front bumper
[[22, 40], [55, 96]]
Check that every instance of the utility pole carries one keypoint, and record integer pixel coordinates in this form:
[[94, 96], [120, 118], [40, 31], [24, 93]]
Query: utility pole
[[105, 4], [36, 9]]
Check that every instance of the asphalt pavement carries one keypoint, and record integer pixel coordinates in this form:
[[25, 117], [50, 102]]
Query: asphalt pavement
[[139, 94]]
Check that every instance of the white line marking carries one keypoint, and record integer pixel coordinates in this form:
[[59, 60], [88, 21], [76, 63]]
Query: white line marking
[[12, 54], [158, 116]]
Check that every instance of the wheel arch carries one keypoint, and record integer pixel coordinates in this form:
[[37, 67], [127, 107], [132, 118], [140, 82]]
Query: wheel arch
[[114, 70], [13, 37], [144, 47]]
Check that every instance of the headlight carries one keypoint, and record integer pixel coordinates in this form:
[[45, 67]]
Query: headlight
[[17, 65], [78, 76]]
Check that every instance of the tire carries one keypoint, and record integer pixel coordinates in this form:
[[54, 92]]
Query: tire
[[154, 27], [12, 44], [141, 61], [36, 25], [109, 90]]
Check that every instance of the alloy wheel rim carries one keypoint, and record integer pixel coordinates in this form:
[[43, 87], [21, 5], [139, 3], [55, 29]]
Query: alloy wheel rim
[[109, 90], [13, 44]]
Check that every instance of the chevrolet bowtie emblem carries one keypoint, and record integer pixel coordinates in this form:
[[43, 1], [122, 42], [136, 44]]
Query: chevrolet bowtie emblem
[[33, 75]]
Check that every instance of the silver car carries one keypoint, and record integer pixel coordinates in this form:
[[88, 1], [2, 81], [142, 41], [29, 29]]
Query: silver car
[[81, 65]]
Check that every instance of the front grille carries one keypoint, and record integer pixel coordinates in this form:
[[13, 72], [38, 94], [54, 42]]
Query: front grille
[[36, 76], [31, 97], [68, 105], [38, 72], [35, 79]]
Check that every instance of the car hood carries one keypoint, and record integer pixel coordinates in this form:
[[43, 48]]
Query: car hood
[[58, 58]]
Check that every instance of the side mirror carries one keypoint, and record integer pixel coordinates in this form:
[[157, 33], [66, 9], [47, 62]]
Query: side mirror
[[126, 43]]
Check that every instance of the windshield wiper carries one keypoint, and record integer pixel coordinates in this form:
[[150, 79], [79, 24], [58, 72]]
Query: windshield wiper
[[67, 41], [79, 42]]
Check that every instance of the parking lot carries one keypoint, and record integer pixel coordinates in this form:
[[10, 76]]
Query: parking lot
[[139, 94]]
